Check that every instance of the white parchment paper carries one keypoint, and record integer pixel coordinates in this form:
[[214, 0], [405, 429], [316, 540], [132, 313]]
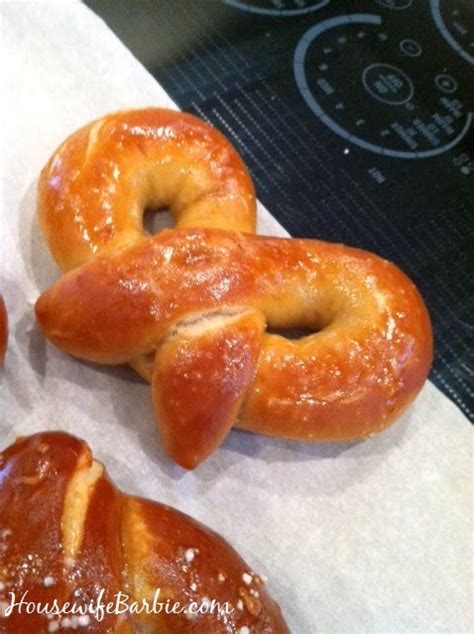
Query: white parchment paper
[[365, 537]]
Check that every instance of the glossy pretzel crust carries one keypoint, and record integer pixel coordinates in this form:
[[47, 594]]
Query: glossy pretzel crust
[[67, 532], [3, 331]]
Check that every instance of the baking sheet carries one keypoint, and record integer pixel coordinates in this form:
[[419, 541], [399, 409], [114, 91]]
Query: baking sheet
[[372, 536]]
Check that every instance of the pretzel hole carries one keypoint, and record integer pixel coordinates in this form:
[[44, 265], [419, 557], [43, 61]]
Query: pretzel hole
[[157, 218], [292, 333]]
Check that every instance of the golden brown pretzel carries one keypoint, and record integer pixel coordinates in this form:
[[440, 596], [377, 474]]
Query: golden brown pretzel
[[67, 532], [96, 186], [188, 309], [201, 300], [3, 330]]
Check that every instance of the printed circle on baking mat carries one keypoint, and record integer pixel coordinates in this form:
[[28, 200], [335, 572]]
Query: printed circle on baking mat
[[378, 100]]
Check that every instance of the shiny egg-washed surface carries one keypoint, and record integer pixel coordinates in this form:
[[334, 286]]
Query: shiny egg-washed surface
[[68, 534]]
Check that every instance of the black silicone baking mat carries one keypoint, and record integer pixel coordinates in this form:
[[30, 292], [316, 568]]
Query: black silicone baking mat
[[354, 118]]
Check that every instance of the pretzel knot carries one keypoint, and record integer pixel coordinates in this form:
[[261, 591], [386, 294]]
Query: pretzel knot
[[196, 302]]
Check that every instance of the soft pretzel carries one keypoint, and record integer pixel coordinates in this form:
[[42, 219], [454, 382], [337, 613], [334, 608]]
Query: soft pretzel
[[199, 300], [3, 330], [94, 190], [68, 534]]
